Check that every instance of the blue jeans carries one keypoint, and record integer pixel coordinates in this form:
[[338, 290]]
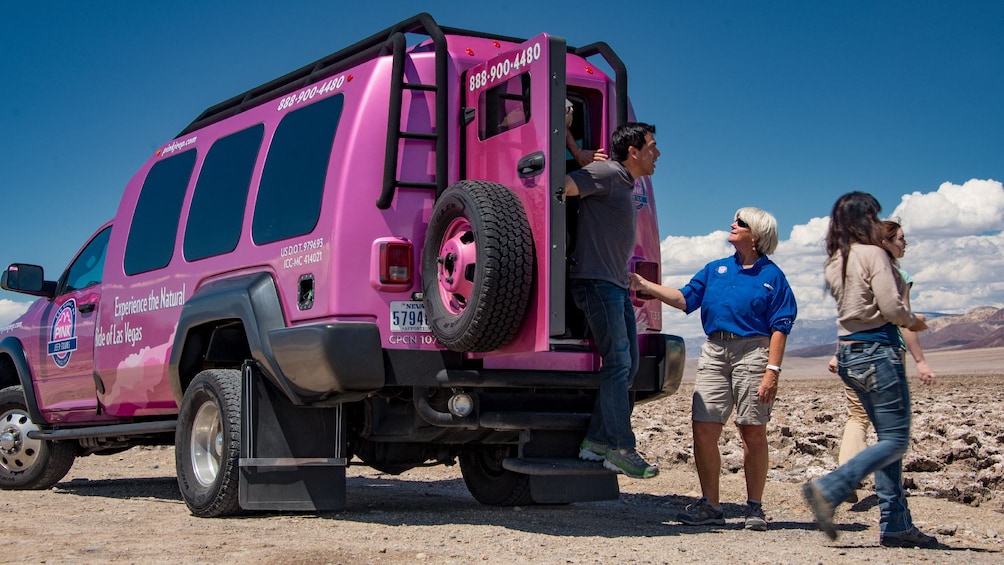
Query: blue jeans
[[612, 323], [876, 373]]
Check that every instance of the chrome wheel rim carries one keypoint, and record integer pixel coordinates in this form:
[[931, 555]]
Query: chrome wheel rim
[[207, 444], [18, 452]]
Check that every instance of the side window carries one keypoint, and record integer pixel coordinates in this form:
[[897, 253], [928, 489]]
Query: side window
[[504, 107], [217, 210], [87, 268], [158, 211], [292, 181]]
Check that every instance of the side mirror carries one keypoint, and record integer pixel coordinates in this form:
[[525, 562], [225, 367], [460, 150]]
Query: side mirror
[[27, 279]]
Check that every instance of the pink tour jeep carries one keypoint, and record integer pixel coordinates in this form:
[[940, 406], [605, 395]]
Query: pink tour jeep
[[363, 261]]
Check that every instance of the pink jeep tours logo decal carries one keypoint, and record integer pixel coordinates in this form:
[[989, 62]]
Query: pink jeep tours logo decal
[[63, 334], [640, 195]]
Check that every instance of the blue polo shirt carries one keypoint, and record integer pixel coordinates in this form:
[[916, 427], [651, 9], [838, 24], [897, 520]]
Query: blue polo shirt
[[748, 302]]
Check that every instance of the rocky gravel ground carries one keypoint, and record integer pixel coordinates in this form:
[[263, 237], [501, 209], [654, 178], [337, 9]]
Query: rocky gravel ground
[[125, 508]]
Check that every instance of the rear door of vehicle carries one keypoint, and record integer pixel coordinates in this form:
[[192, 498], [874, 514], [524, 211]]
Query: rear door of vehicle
[[514, 135]]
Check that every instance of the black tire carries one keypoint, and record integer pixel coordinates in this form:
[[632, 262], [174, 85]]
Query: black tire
[[25, 463], [491, 484], [477, 266], [207, 443]]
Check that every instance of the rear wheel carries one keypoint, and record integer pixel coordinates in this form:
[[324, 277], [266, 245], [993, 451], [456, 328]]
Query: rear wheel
[[490, 483], [207, 443], [477, 266], [25, 463]]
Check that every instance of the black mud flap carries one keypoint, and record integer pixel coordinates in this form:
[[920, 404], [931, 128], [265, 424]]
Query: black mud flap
[[292, 457], [575, 488]]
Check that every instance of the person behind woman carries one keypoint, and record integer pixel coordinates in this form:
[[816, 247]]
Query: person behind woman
[[582, 157], [747, 310], [856, 429], [869, 292]]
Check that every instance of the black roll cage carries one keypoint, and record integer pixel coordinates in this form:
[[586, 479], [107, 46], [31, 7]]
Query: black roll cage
[[391, 41]]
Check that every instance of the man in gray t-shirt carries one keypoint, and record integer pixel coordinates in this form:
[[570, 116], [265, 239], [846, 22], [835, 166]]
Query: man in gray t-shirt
[[605, 238], [599, 285]]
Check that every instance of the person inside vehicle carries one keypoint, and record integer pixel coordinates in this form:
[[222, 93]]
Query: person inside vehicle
[[580, 156]]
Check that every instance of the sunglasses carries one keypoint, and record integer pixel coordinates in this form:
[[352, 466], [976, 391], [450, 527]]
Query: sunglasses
[[741, 223]]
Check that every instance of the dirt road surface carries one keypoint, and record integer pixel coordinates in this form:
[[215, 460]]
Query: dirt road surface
[[125, 508]]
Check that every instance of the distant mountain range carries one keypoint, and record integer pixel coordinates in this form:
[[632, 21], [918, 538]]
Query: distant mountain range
[[978, 328]]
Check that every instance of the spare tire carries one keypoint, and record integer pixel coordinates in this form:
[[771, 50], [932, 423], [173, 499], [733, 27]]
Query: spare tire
[[477, 266]]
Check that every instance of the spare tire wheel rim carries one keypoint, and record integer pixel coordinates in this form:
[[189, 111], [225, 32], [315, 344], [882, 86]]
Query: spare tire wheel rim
[[457, 260]]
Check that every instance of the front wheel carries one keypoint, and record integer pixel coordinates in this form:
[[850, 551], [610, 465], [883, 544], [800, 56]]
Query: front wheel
[[25, 463], [492, 484], [207, 443]]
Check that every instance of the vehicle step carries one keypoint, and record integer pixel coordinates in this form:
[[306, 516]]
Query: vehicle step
[[557, 466], [115, 430]]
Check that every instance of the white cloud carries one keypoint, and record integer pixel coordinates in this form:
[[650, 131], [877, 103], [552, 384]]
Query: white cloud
[[955, 255], [688, 254], [10, 310], [973, 208]]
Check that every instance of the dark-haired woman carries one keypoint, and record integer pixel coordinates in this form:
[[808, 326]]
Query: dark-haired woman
[[869, 291]]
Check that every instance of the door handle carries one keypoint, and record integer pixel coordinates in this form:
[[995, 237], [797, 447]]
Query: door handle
[[531, 165], [86, 307]]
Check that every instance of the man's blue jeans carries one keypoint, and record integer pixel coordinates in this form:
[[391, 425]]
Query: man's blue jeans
[[613, 326], [877, 375]]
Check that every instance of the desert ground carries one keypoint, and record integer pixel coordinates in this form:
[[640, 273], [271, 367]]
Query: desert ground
[[125, 508]]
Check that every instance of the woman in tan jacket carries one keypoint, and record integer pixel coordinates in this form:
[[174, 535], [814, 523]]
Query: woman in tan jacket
[[869, 292]]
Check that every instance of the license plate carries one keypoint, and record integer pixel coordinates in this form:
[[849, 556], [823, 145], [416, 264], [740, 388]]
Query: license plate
[[407, 316]]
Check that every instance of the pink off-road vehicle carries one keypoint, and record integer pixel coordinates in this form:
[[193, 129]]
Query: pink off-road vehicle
[[361, 262]]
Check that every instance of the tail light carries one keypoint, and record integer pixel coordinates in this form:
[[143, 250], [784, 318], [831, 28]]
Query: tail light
[[647, 270], [396, 265]]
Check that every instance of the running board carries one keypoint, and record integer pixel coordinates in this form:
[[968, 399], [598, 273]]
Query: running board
[[116, 430], [542, 466]]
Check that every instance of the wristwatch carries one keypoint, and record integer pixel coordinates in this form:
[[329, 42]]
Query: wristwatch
[[774, 368]]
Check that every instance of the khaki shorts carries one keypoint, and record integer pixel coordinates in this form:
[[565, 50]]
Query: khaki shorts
[[728, 376]]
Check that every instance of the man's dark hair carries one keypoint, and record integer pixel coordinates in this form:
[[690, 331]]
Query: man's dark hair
[[631, 134]]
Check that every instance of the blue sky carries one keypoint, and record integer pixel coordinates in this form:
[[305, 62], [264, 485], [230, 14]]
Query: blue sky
[[783, 105]]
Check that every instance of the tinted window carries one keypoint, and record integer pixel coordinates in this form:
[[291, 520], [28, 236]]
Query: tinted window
[[504, 107], [217, 210], [87, 268], [158, 211], [292, 182]]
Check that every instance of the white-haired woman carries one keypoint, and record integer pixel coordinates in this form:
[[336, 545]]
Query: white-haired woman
[[747, 310]]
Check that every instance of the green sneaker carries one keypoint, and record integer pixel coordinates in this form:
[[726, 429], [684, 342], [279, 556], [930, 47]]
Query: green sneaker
[[592, 451], [628, 461]]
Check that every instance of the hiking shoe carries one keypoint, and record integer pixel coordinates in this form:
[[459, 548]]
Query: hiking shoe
[[853, 497], [628, 461], [756, 520], [702, 513], [912, 538], [592, 451], [821, 508]]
